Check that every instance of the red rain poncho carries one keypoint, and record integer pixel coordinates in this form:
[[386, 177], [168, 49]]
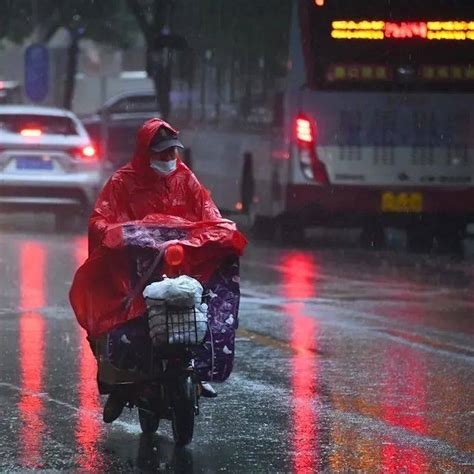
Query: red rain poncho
[[135, 201]]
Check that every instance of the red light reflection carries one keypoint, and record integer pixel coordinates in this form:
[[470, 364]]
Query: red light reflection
[[404, 406], [88, 425], [31, 344], [32, 267], [299, 277]]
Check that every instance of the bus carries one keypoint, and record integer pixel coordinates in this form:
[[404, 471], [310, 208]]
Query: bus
[[375, 127]]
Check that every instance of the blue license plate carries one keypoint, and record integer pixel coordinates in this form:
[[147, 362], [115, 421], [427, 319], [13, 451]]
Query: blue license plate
[[33, 163]]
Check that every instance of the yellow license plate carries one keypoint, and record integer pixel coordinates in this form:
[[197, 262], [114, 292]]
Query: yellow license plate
[[402, 202]]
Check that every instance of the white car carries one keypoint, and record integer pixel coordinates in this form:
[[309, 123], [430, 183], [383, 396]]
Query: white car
[[47, 163]]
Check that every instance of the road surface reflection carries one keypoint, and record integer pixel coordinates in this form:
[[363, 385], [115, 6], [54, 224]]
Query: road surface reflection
[[299, 274], [32, 328], [88, 425]]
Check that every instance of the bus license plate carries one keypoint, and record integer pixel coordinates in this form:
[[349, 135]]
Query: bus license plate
[[402, 202]]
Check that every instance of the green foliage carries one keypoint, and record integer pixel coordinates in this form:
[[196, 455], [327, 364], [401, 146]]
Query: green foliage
[[246, 30], [106, 21], [15, 20], [245, 42]]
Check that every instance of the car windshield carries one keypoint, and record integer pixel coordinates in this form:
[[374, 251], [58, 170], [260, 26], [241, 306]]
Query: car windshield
[[46, 124], [139, 103]]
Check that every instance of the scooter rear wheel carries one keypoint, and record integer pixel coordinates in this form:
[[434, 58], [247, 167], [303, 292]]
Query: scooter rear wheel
[[149, 422], [184, 402]]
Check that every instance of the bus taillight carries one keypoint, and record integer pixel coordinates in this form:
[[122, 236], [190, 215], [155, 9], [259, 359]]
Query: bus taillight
[[304, 130], [311, 166]]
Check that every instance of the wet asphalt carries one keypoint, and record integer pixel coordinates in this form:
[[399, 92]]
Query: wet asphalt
[[347, 360]]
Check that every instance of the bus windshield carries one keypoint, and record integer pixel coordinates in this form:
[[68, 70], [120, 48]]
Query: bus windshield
[[389, 45]]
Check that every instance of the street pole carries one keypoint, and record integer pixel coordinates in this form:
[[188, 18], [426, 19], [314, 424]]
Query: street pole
[[104, 129]]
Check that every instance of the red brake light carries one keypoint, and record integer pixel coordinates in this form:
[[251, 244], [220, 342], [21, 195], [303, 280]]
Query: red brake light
[[85, 153], [89, 151], [311, 166], [304, 130], [31, 132], [174, 255]]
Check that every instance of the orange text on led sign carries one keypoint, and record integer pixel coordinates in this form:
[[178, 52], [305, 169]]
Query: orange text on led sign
[[379, 30]]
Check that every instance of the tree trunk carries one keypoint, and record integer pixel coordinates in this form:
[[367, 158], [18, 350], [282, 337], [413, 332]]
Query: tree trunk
[[163, 85], [71, 69], [217, 106], [233, 71], [190, 81], [203, 89]]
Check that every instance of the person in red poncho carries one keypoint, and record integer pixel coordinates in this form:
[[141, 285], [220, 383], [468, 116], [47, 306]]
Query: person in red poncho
[[154, 184]]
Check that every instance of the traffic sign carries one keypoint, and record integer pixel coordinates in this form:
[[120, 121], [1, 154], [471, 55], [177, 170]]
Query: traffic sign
[[36, 72]]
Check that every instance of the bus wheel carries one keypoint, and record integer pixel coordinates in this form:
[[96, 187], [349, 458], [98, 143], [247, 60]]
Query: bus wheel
[[419, 238], [247, 186], [449, 237], [264, 228], [289, 231], [372, 235]]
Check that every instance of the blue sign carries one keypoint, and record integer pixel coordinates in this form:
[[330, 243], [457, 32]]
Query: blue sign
[[36, 72]]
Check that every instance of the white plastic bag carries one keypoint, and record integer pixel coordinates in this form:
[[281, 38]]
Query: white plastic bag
[[187, 322], [183, 291]]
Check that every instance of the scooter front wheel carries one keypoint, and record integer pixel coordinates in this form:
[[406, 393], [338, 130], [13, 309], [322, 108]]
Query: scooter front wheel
[[149, 422], [183, 410]]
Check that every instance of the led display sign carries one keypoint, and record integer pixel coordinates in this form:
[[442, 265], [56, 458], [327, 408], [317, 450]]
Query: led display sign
[[364, 72], [381, 30], [374, 72]]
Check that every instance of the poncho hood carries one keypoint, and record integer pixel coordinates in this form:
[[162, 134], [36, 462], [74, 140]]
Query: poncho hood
[[141, 158]]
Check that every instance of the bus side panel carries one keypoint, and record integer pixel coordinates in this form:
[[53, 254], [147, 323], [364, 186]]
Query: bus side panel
[[394, 139], [217, 159]]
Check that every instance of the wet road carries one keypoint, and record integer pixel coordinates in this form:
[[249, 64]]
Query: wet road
[[347, 360]]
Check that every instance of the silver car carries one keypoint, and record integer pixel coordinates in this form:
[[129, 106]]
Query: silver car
[[47, 163]]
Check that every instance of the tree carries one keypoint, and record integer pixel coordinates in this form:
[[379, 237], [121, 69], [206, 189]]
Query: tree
[[104, 21], [226, 33], [154, 18]]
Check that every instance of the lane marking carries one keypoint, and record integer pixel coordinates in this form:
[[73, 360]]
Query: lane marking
[[130, 427], [275, 343]]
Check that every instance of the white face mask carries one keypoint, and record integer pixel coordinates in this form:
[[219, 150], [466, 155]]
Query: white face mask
[[164, 167]]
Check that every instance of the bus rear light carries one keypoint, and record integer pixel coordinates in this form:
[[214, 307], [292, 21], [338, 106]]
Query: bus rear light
[[320, 172], [311, 167], [304, 130]]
